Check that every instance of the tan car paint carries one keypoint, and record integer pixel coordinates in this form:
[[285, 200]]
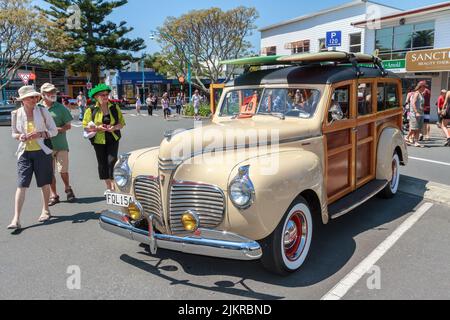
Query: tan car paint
[[301, 158]]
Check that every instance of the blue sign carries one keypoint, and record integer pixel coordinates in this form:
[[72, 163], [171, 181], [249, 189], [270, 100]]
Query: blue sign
[[334, 39]]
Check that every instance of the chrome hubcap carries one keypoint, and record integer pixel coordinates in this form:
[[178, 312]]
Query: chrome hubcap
[[394, 174], [295, 236]]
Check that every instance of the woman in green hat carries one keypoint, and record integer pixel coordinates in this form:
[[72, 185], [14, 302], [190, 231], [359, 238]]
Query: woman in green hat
[[105, 120]]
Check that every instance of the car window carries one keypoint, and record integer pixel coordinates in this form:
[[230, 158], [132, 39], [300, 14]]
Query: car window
[[340, 104], [240, 101], [387, 97], [299, 103], [364, 99]]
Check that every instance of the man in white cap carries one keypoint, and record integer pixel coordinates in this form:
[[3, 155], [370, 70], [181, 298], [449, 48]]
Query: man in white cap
[[62, 118]]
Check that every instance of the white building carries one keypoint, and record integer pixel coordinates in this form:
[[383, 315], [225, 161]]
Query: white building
[[422, 31], [371, 27], [307, 33]]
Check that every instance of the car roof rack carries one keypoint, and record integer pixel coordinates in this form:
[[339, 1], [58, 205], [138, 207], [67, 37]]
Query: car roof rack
[[302, 59]]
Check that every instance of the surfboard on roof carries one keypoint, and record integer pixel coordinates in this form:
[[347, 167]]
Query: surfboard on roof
[[302, 58]]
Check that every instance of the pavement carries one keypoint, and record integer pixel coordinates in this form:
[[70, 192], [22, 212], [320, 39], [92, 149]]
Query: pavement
[[403, 242]]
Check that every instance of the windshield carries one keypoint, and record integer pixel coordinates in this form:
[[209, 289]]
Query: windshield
[[299, 103]]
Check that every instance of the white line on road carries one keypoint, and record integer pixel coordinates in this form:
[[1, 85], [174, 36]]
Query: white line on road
[[341, 289], [431, 161]]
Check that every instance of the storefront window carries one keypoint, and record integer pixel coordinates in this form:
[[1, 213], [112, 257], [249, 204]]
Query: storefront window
[[355, 42], [395, 42]]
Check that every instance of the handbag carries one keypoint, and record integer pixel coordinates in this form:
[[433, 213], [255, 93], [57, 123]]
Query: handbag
[[47, 141]]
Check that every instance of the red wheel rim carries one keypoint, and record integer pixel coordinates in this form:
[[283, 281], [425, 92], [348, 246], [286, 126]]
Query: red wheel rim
[[295, 235]]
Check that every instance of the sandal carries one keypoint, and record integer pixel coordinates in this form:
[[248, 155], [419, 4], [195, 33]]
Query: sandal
[[70, 195], [53, 201], [14, 226], [418, 145], [45, 216]]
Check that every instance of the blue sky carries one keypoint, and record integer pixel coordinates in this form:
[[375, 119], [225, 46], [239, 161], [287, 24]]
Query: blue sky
[[147, 15]]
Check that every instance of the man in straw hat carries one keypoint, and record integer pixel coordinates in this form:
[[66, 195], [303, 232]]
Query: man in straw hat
[[63, 119], [31, 126]]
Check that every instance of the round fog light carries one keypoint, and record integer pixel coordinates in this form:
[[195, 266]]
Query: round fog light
[[190, 221], [134, 212]]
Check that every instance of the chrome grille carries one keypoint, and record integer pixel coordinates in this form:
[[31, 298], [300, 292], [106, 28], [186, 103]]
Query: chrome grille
[[147, 192], [168, 165], [205, 200]]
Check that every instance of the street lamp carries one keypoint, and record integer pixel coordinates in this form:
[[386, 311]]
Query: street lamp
[[1, 71], [169, 38]]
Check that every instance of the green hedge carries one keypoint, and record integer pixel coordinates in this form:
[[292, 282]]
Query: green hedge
[[205, 110]]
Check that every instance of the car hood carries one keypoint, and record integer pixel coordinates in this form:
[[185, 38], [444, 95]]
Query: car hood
[[235, 134]]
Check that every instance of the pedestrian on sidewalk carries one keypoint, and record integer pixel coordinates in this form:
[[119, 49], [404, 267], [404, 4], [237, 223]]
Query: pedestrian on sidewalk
[[155, 101], [440, 106], [407, 112], [445, 113], [82, 103], [32, 126], [179, 103], [196, 99], [165, 105], [426, 117], [106, 119], [417, 114], [149, 103], [138, 105], [63, 119]]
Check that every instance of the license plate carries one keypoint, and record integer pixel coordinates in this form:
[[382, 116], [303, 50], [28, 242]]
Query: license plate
[[119, 200]]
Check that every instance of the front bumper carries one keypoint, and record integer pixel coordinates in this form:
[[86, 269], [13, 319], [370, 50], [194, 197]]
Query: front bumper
[[210, 243]]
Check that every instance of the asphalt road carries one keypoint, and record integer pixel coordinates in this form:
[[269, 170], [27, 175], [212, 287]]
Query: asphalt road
[[37, 262]]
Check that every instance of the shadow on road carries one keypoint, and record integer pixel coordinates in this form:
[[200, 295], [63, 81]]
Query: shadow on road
[[89, 200], [334, 248], [76, 218]]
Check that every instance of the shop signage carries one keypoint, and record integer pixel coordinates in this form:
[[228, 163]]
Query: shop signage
[[394, 64], [428, 60]]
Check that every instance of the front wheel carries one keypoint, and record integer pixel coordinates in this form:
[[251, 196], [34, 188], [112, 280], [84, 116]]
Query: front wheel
[[287, 248], [391, 189]]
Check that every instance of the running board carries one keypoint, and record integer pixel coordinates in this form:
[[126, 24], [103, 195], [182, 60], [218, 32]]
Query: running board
[[356, 198]]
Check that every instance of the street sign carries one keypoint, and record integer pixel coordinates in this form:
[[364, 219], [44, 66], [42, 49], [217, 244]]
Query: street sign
[[334, 39], [25, 77]]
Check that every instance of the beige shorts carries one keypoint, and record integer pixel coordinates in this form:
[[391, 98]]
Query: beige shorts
[[61, 159]]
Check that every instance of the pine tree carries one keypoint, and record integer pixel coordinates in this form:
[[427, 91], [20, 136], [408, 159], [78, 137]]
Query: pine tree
[[99, 43]]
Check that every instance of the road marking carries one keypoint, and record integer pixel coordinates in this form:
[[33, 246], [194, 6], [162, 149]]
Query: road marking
[[341, 289], [431, 161]]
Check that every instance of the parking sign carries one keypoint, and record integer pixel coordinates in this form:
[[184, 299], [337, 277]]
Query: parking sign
[[334, 39]]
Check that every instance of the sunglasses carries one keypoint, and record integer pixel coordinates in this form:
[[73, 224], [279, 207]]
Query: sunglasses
[[103, 95]]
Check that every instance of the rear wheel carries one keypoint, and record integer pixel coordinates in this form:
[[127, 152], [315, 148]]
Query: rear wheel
[[287, 248], [391, 189]]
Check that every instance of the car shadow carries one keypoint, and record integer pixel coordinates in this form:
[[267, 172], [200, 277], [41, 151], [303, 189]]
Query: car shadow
[[332, 250], [82, 217]]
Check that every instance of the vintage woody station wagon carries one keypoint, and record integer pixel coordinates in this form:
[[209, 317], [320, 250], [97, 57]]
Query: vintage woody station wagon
[[337, 117]]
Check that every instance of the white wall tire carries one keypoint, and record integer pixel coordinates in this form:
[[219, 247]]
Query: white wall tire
[[287, 248], [392, 188]]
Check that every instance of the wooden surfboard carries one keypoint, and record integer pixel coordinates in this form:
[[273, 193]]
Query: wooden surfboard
[[324, 57], [254, 61]]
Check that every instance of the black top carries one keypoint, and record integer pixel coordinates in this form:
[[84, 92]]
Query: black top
[[311, 74]]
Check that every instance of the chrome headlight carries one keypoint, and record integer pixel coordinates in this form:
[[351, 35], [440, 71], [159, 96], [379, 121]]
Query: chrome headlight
[[241, 189], [122, 173]]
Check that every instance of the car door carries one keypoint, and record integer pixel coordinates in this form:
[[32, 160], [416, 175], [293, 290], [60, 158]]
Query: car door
[[340, 141], [366, 131]]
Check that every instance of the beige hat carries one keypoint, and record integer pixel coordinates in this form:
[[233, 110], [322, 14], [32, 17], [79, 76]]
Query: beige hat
[[48, 87], [26, 92]]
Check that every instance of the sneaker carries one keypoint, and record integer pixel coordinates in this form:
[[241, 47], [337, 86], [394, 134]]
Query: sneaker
[[70, 195], [421, 138]]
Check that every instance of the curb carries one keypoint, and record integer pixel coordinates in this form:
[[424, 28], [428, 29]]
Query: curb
[[425, 189]]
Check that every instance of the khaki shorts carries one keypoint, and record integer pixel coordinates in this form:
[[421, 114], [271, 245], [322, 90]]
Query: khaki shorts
[[61, 159]]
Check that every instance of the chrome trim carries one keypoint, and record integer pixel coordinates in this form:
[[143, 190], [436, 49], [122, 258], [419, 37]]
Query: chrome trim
[[243, 177], [151, 198], [363, 200], [207, 201], [210, 243], [123, 159]]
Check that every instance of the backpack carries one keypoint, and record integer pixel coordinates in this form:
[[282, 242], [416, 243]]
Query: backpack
[[114, 113]]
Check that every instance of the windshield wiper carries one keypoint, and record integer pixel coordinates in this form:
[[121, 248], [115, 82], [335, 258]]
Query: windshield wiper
[[236, 115], [278, 115]]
